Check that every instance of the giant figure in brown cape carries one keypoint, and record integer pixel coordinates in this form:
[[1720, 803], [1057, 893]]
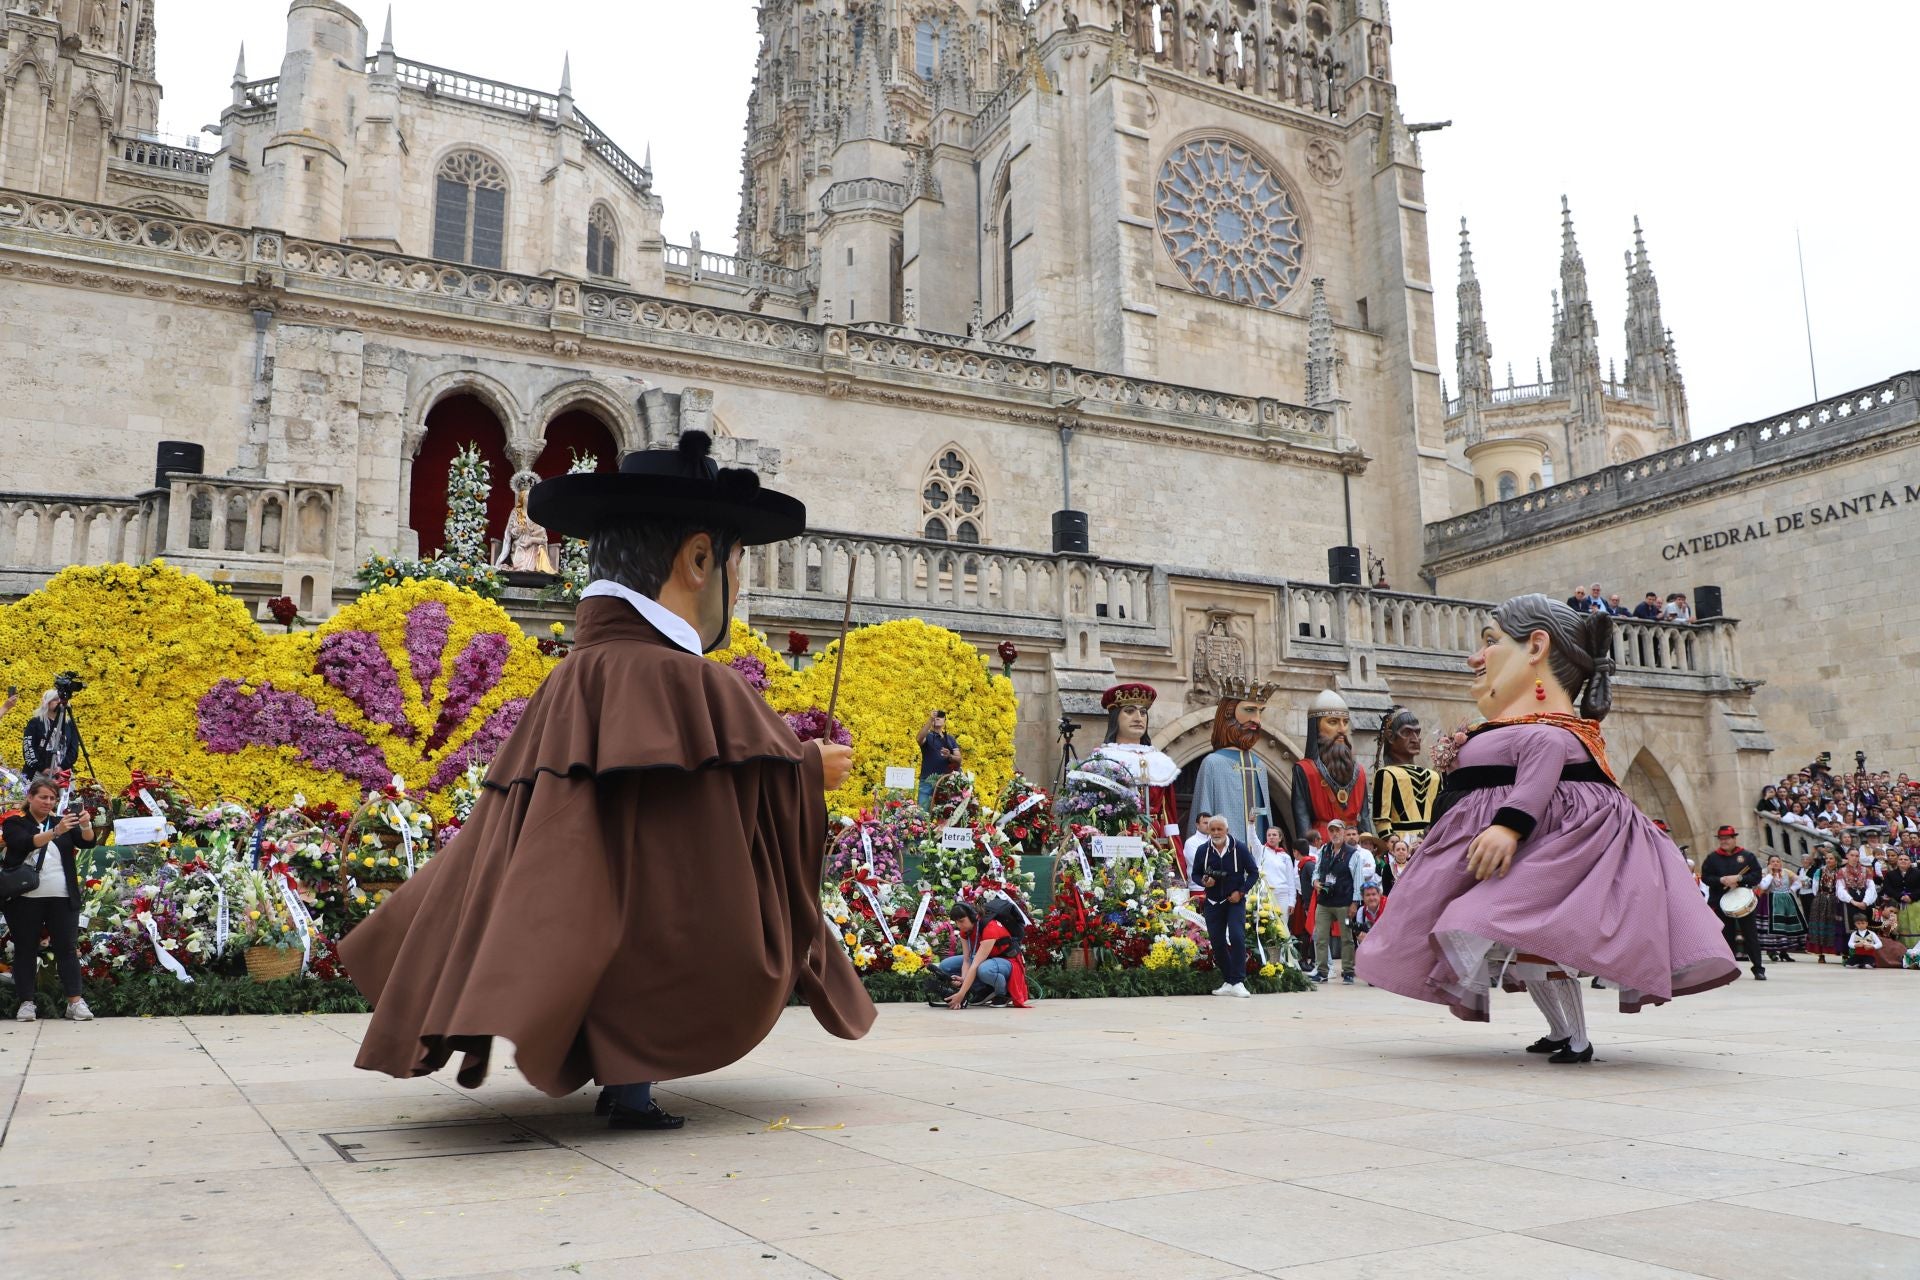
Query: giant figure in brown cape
[[636, 894]]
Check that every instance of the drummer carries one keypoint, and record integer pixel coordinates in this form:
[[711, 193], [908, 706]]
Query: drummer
[[1727, 868]]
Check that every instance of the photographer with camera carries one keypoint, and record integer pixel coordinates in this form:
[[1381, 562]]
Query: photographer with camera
[[939, 753], [42, 891], [51, 742], [990, 966]]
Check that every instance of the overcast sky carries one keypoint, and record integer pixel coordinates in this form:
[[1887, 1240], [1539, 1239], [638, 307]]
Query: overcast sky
[[1721, 127]]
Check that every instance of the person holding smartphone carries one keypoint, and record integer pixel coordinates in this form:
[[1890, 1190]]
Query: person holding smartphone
[[46, 839]]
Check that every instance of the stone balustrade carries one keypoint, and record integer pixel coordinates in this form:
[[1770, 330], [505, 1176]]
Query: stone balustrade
[[863, 193], [144, 153], [967, 587], [1435, 633], [44, 533], [697, 265]]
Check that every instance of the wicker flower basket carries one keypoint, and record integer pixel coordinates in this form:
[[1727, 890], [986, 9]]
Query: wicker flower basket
[[373, 887], [1080, 957], [271, 964]]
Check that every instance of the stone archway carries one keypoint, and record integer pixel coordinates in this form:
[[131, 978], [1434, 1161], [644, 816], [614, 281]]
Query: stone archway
[[1189, 740], [454, 422], [1649, 786]]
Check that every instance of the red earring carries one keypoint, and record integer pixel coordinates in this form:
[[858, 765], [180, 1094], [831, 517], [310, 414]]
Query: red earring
[[1539, 690]]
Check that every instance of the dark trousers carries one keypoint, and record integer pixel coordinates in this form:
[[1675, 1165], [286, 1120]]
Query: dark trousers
[[25, 918], [1744, 933], [1227, 933]]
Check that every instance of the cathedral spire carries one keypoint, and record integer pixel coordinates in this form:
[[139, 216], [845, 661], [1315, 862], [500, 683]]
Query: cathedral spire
[[1576, 356], [240, 65], [1653, 369], [386, 37], [1323, 379], [1473, 352], [1573, 270], [566, 75]]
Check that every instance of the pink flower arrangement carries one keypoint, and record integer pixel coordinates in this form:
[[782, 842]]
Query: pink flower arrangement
[[484, 743], [232, 719], [810, 726], [753, 671], [475, 671], [354, 663], [427, 626]]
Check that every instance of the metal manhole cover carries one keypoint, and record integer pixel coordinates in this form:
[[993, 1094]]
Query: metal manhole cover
[[429, 1141]]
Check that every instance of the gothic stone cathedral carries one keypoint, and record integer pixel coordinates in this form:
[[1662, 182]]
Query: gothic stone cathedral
[[998, 263]]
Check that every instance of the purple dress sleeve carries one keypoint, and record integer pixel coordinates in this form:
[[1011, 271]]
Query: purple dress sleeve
[[1539, 753]]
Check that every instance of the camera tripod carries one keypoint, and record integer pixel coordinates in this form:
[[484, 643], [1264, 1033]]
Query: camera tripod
[[1068, 756]]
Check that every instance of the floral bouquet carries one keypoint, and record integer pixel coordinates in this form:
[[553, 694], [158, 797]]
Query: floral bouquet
[[394, 829], [953, 798], [1026, 818], [262, 917], [1100, 793], [136, 913], [1445, 752], [175, 807], [867, 843], [1171, 952]]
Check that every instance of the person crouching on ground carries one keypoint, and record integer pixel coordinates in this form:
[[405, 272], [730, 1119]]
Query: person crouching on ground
[[1226, 871], [988, 953], [1863, 945]]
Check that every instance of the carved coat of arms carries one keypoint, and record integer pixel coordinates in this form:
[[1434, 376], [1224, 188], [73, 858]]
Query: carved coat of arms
[[1219, 659]]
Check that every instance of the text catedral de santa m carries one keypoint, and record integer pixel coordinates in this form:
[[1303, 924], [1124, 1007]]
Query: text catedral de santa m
[[1810, 518]]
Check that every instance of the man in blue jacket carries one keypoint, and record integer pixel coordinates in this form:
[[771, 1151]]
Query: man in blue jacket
[[1225, 870]]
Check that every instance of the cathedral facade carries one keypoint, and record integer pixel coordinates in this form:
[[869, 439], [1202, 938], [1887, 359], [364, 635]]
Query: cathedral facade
[[1088, 324]]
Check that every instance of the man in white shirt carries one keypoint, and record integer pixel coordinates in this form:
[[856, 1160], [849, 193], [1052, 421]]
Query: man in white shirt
[[1279, 875], [1198, 838], [1797, 816]]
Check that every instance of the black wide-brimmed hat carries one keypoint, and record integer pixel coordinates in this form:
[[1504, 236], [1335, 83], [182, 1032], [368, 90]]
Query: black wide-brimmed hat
[[683, 483]]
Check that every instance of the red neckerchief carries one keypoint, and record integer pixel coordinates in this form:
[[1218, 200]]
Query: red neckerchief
[[1588, 731]]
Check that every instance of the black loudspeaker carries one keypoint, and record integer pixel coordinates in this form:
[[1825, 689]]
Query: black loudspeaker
[[1070, 533], [182, 457], [1343, 566], [1706, 603]]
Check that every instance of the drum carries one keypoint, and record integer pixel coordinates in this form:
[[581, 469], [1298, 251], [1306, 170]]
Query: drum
[[1737, 902]]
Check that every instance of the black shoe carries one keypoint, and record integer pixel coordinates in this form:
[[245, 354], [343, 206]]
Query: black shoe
[[1000, 1002], [652, 1118], [1347, 978], [980, 994], [603, 1105], [1547, 1044], [1565, 1054], [1786, 957], [1595, 984], [1759, 974]]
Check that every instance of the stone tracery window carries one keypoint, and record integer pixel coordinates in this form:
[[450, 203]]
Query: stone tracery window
[[1509, 485], [953, 504], [603, 242], [1228, 222], [470, 210]]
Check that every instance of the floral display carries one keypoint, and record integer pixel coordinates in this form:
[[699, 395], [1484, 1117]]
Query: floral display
[[468, 481], [1101, 794], [893, 673], [574, 570], [1445, 751], [418, 680], [1026, 818], [481, 579], [284, 611], [811, 726]]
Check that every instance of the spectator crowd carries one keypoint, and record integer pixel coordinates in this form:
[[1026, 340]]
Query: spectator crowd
[[1856, 895], [1651, 608]]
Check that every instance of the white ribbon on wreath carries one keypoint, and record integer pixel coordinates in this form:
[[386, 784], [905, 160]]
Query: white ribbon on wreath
[[166, 957], [1119, 789], [302, 922], [406, 834], [920, 917], [221, 929], [866, 891], [1019, 809]]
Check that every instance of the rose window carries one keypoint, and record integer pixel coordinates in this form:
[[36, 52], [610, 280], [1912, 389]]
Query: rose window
[[1228, 223]]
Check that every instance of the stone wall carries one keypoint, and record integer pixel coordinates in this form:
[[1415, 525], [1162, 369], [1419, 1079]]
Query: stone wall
[[1809, 522]]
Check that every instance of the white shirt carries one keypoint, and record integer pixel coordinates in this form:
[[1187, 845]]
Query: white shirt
[[1799, 820], [53, 873], [664, 620], [1280, 875]]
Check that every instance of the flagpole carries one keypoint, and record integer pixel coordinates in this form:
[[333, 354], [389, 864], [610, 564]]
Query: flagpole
[[1806, 313]]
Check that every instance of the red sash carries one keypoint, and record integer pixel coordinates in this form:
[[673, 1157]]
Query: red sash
[[1320, 793]]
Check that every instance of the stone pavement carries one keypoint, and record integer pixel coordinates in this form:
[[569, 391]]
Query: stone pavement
[[1752, 1133]]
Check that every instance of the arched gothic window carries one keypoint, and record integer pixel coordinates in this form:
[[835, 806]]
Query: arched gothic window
[[953, 504], [1509, 485], [926, 40], [470, 210], [1546, 469], [603, 242], [1006, 254]]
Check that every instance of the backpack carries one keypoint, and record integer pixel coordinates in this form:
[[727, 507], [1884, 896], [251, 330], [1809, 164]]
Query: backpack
[[1001, 909]]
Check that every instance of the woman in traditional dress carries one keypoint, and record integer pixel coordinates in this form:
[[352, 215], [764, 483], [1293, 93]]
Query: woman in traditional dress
[[1782, 928], [1538, 869], [1826, 925], [1901, 890]]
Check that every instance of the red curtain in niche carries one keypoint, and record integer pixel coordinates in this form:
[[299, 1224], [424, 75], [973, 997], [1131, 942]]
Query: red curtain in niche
[[576, 431], [452, 425]]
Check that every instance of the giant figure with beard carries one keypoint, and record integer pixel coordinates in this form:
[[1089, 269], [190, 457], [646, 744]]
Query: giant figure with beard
[[1233, 782], [1331, 782]]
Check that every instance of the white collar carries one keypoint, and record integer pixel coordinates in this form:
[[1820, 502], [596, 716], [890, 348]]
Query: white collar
[[664, 620]]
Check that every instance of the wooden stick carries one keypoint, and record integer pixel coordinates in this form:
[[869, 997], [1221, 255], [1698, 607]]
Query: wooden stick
[[840, 655]]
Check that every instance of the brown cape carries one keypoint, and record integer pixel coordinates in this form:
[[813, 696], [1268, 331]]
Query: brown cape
[[636, 894]]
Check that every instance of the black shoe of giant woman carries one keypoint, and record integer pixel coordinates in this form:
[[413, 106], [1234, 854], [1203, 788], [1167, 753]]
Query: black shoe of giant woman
[[1546, 1044], [652, 1118], [1565, 1054]]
